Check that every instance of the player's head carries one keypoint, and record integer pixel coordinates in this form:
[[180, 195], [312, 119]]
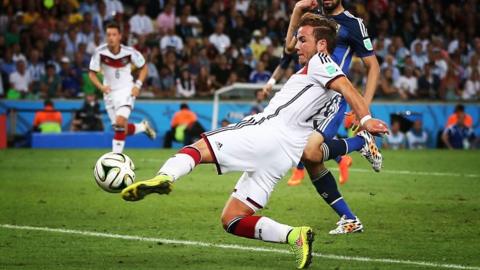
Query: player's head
[[184, 106], [315, 34], [330, 5], [114, 36]]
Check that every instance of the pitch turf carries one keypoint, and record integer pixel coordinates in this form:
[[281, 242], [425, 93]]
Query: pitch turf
[[424, 217]]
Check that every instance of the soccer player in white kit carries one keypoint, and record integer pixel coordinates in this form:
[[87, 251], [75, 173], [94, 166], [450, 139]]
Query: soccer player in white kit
[[114, 60], [264, 146]]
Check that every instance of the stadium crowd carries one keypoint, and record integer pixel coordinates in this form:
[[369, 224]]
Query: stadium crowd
[[427, 49]]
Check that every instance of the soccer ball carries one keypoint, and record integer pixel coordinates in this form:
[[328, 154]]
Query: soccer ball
[[114, 171]]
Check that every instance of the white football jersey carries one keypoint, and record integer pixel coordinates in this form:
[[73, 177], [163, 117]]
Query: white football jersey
[[116, 68], [292, 110]]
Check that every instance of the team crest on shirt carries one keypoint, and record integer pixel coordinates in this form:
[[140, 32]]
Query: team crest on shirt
[[219, 145]]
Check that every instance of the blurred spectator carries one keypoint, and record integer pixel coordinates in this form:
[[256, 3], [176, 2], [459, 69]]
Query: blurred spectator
[[204, 83], [256, 44], [453, 118], [386, 89], [113, 7], [89, 117], [258, 104], [441, 65], [141, 24], [8, 66], [396, 139], [242, 6], [184, 127], [419, 56], [93, 44], [88, 6], [472, 87], [450, 86], [20, 80], [390, 63], [166, 19], [71, 79], [51, 83], [171, 41], [220, 71], [48, 120], [260, 75], [417, 137], [167, 82], [407, 84], [185, 85], [458, 136], [219, 39], [36, 70], [428, 83]]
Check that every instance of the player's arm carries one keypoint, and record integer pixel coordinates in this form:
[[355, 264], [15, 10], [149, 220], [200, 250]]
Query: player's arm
[[139, 62], [298, 11], [278, 73], [342, 85], [94, 79], [373, 74], [92, 74]]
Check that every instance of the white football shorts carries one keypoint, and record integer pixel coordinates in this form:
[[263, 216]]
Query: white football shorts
[[254, 150], [119, 103]]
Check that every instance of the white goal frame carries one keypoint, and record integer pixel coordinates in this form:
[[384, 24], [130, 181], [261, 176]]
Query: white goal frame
[[229, 88]]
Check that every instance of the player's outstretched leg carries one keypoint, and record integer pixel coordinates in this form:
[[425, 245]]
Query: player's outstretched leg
[[144, 126], [298, 174], [238, 219], [175, 167], [326, 187]]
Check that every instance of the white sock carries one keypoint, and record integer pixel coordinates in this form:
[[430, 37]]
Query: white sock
[[139, 127], [269, 230], [178, 166], [117, 146]]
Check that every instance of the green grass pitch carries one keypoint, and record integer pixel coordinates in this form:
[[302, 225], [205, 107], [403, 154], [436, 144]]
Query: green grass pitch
[[432, 216]]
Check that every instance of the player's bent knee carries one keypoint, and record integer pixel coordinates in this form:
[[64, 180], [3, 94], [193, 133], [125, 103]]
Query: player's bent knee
[[204, 150]]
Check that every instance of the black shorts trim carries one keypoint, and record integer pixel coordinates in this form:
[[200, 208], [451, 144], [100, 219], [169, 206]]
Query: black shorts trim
[[205, 138]]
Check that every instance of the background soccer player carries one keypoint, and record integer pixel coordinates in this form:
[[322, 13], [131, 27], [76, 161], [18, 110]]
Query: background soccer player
[[280, 133], [119, 90]]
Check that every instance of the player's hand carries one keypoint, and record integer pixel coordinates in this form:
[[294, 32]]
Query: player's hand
[[267, 89], [304, 5], [376, 127], [135, 91], [106, 89]]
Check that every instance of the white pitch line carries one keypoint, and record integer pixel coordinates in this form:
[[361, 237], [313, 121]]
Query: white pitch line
[[236, 247], [469, 175]]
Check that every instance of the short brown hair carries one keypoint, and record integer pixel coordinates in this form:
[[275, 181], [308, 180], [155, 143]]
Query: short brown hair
[[113, 25], [323, 28]]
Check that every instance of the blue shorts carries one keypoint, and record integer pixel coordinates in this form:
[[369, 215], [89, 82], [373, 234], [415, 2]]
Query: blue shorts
[[330, 117]]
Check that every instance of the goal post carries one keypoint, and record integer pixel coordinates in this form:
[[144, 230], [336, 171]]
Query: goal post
[[235, 92]]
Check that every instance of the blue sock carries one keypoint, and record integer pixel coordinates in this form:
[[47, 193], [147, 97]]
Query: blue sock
[[326, 186], [336, 148], [300, 165]]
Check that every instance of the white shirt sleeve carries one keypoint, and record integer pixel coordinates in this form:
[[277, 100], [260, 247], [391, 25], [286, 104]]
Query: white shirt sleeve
[[323, 69], [95, 62], [137, 59]]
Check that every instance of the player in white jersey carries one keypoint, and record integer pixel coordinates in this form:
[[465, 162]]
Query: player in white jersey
[[114, 60], [264, 146]]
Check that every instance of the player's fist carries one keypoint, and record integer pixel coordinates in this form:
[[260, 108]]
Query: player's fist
[[135, 91], [106, 89], [306, 4], [376, 127]]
